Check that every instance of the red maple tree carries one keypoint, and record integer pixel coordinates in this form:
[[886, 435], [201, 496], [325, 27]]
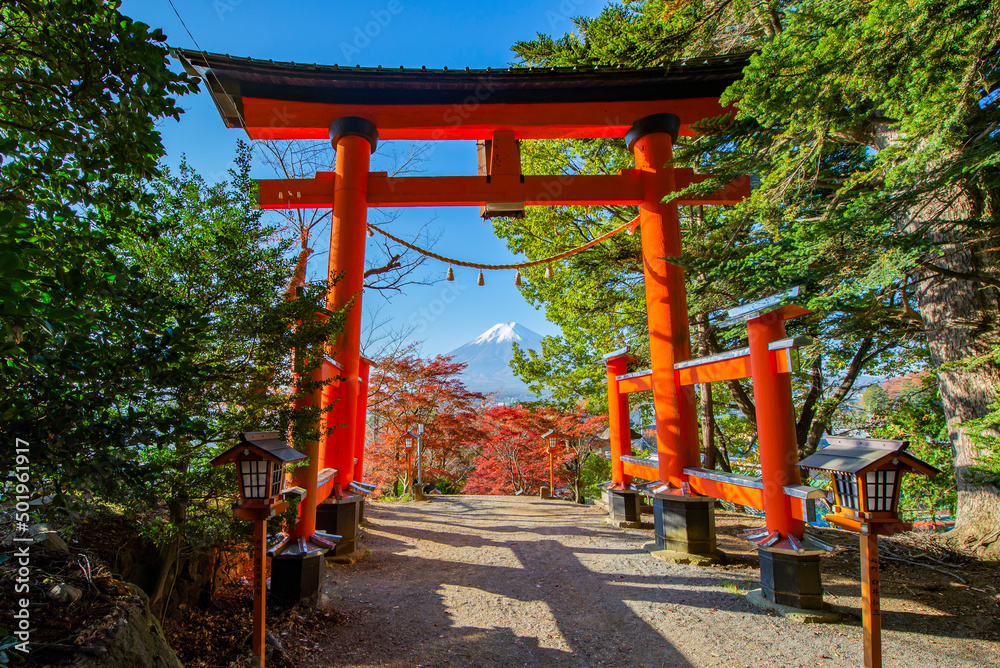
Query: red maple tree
[[406, 389], [514, 458]]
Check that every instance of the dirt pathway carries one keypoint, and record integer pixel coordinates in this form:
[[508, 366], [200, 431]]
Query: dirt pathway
[[502, 581]]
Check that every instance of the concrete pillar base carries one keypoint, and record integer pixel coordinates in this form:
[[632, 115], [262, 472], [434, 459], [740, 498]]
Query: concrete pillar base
[[624, 505], [717, 557], [296, 578], [684, 524], [826, 615], [791, 580], [340, 517]]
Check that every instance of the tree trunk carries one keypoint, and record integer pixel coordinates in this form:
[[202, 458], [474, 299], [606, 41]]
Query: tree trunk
[[706, 407], [960, 318], [959, 310]]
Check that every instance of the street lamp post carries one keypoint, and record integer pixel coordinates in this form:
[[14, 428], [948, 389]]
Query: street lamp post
[[408, 440], [259, 459], [552, 440], [866, 475], [420, 453]]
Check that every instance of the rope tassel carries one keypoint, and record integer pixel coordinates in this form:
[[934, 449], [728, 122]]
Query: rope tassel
[[482, 280], [548, 270], [450, 276], [517, 279]]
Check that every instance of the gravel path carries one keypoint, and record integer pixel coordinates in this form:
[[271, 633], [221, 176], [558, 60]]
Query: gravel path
[[515, 581]]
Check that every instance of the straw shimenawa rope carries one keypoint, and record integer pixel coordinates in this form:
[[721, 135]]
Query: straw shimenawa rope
[[518, 265]]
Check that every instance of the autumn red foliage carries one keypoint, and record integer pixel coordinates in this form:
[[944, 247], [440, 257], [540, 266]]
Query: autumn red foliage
[[406, 389], [515, 458]]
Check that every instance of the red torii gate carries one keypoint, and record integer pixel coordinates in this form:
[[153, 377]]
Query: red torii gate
[[354, 107]]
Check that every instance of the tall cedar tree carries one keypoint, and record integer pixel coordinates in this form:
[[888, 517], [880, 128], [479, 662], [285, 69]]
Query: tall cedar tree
[[873, 127]]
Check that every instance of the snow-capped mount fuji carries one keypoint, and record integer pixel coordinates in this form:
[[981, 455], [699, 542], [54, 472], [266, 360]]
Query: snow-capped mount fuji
[[488, 358]]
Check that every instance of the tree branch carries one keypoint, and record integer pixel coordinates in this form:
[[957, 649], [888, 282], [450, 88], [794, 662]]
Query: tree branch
[[384, 269], [960, 275]]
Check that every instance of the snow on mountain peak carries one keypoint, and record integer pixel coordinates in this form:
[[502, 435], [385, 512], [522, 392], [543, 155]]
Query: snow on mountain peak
[[488, 359], [500, 333]]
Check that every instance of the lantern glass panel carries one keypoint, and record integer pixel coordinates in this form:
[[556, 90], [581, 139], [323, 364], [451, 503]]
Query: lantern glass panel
[[408, 442], [253, 476], [276, 479], [552, 441], [846, 486], [880, 490]]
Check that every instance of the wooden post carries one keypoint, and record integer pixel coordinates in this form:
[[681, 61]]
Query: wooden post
[[420, 458], [870, 594], [361, 422], [307, 476], [259, 588], [776, 443], [552, 472]]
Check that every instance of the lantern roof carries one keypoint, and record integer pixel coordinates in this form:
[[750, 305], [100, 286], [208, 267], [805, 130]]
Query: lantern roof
[[860, 455], [268, 445]]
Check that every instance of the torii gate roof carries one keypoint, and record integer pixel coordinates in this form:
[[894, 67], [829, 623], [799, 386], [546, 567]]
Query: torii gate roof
[[275, 100]]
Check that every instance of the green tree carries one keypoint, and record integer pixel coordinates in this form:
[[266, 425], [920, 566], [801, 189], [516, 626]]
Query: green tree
[[81, 91], [916, 414], [873, 128], [875, 399], [226, 269]]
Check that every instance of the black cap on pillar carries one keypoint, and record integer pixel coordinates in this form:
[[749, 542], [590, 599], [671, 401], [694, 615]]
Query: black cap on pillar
[[668, 123], [353, 126]]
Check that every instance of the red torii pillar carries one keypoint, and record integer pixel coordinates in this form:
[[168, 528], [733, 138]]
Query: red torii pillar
[[651, 140], [359, 436], [355, 140], [619, 430], [683, 523]]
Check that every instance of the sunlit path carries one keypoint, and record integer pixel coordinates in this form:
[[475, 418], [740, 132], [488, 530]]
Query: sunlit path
[[515, 581]]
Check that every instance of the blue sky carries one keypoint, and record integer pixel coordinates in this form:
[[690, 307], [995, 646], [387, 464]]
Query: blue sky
[[453, 33]]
